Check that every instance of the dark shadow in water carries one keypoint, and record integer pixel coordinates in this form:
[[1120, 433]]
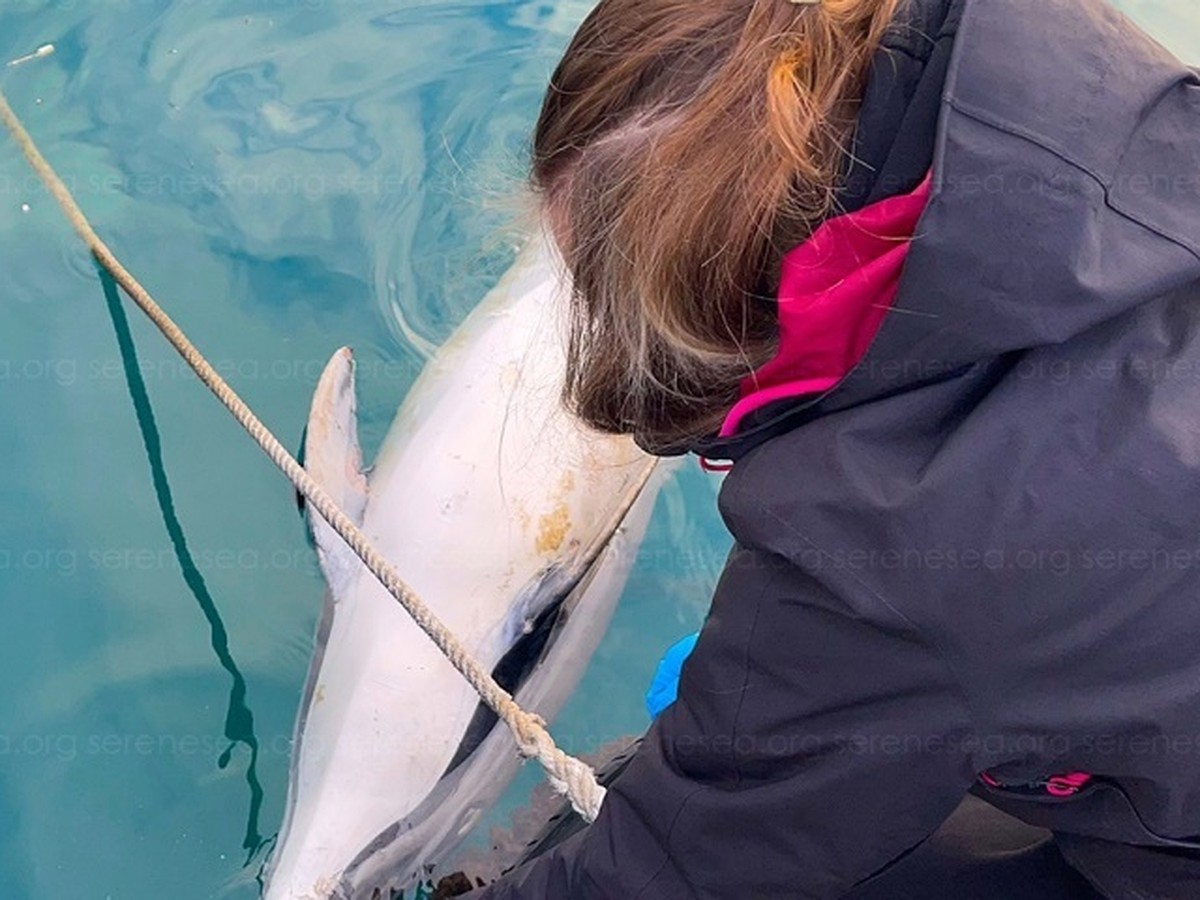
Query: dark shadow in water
[[239, 721]]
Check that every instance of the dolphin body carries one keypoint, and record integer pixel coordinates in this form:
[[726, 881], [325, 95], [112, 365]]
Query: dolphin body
[[516, 525]]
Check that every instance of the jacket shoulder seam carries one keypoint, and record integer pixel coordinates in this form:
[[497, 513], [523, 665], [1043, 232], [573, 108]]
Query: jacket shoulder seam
[[666, 860], [976, 114]]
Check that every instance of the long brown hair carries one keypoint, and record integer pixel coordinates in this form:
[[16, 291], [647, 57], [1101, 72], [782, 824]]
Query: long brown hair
[[683, 146]]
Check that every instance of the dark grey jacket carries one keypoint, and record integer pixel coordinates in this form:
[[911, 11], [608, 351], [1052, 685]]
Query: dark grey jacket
[[981, 552]]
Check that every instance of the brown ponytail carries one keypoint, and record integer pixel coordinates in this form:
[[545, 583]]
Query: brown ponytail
[[682, 148]]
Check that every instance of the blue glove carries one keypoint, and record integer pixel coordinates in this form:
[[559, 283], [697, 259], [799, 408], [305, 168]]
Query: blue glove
[[665, 686]]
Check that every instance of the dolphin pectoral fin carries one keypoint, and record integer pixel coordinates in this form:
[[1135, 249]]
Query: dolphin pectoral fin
[[333, 457], [510, 673]]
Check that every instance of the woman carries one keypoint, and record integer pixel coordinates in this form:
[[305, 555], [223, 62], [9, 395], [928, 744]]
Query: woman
[[928, 273]]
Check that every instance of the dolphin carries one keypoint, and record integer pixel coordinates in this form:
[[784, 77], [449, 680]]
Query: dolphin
[[516, 524]]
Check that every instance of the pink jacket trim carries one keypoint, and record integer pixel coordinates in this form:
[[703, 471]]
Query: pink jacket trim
[[835, 290]]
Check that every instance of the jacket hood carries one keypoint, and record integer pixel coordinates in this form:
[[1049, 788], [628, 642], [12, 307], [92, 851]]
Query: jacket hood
[[1030, 239]]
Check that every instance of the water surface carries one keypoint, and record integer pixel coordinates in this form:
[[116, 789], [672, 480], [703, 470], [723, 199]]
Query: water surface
[[287, 177]]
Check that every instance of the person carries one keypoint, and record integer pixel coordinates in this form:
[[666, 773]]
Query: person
[[927, 274]]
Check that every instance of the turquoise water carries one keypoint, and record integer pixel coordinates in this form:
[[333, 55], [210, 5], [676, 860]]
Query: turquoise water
[[287, 177]]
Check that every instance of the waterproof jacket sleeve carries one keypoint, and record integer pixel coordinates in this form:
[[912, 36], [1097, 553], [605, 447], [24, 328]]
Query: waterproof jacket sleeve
[[814, 741]]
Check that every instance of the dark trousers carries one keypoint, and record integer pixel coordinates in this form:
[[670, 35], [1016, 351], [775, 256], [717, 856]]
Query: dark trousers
[[981, 853], [1124, 872]]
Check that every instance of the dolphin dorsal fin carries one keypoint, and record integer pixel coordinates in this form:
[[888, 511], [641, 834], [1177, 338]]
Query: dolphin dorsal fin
[[333, 457]]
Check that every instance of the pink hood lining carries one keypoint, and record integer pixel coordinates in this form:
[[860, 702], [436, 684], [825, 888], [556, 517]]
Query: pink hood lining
[[835, 290]]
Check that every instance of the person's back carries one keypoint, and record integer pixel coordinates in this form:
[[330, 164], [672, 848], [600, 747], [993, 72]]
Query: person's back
[[943, 314]]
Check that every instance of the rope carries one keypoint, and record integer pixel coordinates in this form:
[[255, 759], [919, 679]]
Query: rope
[[569, 776]]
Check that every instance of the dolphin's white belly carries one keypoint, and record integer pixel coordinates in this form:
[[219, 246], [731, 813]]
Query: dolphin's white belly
[[488, 499]]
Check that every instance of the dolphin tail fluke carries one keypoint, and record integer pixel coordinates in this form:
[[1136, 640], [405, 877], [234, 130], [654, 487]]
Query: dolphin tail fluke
[[333, 457]]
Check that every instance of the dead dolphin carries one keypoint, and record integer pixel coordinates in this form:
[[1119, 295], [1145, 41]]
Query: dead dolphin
[[516, 525]]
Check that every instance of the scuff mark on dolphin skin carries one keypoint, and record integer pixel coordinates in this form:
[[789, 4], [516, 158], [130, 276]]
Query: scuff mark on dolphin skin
[[324, 887], [553, 528], [510, 375], [521, 514]]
